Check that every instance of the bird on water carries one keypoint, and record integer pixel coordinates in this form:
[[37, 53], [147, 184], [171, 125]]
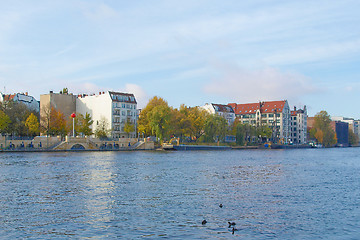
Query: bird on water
[[231, 224], [204, 222]]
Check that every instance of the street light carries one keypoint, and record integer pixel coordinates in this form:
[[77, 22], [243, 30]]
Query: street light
[[73, 115]]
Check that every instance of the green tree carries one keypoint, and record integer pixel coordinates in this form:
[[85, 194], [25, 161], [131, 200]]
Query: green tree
[[215, 128], [83, 124], [324, 133], [18, 113], [353, 138], [159, 120], [129, 127], [144, 126], [4, 121], [32, 123], [102, 129]]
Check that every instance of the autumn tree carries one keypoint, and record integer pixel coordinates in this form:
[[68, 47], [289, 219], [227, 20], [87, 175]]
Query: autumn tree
[[4, 121], [32, 123], [324, 133], [18, 113], [159, 121], [129, 127], [53, 122], [144, 126]]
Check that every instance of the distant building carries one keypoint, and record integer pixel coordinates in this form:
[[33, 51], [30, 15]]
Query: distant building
[[342, 132], [224, 111], [24, 98], [275, 114], [357, 128], [64, 103], [117, 108], [350, 121], [299, 126]]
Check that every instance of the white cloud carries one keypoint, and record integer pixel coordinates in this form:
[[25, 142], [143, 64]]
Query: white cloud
[[243, 85], [141, 96]]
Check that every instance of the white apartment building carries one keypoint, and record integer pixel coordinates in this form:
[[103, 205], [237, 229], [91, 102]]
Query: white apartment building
[[117, 108], [275, 114], [224, 111], [299, 126]]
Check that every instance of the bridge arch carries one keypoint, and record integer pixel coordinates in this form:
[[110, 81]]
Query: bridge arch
[[77, 146]]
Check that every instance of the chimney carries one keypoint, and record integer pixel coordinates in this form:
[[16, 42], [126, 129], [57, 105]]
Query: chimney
[[294, 108], [99, 93], [26, 93]]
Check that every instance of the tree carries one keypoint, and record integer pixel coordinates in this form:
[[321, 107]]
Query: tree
[[53, 122], [129, 127], [324, 133], [18, 113], [159, 119], [353, 138], [144, 118], [4, 121], [102, 130], [83, 124], [32, 123], [215, 128]]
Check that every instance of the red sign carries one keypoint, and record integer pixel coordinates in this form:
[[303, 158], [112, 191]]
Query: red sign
[[73, 115]]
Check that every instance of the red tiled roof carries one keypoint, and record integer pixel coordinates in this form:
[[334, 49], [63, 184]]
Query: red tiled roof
[[265, 107], [9, 97], [293, 113]]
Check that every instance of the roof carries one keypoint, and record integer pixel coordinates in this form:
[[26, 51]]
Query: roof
[[122, 97], [264, 107], [9, 97], [222, 108]]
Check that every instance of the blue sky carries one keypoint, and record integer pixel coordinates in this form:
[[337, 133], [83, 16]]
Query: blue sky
[[190, 52]]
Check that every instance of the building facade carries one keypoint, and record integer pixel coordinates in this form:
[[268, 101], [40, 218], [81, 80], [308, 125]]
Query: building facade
[[116, 108], [224, 111], [275, 114], [23, 98], [299, 126]]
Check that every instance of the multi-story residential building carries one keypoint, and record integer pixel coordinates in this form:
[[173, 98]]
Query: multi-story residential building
[[23, 98], [224, 111], [117, 108], [299, 126], [275, 114]]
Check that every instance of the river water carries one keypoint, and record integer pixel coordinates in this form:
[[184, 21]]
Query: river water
[[269, 194]]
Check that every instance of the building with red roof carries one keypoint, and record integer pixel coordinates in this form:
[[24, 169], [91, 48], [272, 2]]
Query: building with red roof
[[275, 114]]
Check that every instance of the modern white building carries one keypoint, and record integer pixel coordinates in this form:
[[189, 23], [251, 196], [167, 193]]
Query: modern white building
[[24, 98], [275, 114], [115, 107], [299, 126], [224, 111]]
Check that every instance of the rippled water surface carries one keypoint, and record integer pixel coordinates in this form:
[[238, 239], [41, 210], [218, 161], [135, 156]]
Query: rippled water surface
[[269, 194]]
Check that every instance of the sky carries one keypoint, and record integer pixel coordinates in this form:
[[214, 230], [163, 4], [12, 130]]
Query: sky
[[187, 52]]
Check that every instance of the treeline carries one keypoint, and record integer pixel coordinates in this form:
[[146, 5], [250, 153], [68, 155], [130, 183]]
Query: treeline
[[16, 119], [194, 124], [323, 133]]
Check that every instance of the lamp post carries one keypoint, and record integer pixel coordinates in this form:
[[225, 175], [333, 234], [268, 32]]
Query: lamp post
[[73, 115]]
